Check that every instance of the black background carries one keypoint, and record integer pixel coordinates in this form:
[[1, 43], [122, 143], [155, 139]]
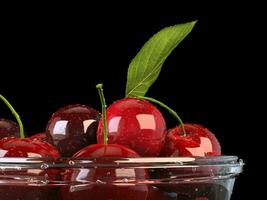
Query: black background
[[54, 55]]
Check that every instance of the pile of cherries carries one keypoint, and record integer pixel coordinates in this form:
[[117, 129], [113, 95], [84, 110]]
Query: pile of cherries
[[132, 124], [129, 127]]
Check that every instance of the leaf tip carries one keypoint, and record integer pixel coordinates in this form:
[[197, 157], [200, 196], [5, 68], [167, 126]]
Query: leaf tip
[[192, 23]]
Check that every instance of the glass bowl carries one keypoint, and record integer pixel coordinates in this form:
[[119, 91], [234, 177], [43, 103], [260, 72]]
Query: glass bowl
[[175, 178]]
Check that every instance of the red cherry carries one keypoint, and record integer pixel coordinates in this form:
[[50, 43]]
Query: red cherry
[[198, 141], [39, 136], [72, 127], [105, 183], [8, 128], [136, 124], [17, 147], [104, 151]]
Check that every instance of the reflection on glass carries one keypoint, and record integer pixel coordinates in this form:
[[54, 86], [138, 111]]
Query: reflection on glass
[[30, 154], [126, 173], [82, 175], [35, 171]]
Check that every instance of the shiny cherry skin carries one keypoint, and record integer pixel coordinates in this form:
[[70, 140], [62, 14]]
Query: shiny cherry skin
[[198, 141], [136, 124], [72, 127], [39, 136], [8, 128], [17, 147], [106, 151], [106, 183]]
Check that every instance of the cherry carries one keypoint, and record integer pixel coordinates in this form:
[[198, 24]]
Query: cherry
[[26, 147], [112, 183], [39, 136], [188, 139], [198, 141], [136, 124], [105, 151], [104, 179], [72, 127], [8, 128]]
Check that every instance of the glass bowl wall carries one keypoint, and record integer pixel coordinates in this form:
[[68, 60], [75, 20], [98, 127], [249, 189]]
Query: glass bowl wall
[[181, 178]]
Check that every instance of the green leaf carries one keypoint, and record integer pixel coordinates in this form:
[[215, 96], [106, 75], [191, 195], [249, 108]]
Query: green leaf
[[144, 69]]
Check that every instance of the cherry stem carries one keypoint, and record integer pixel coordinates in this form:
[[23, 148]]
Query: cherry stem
[[104, 115], [171, 111], [16, 115]]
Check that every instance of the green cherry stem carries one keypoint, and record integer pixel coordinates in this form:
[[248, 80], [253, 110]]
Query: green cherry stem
[[16, 115], [104, 116], [171, 111]]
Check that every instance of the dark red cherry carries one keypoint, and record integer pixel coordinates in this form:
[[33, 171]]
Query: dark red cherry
[[198, 141], [8, 128], [72, 127], [39, 136], [136, 124], [113, 183], [19, 181]]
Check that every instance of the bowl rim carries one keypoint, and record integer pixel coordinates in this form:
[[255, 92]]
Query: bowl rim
[[175, 169], [149, 162]]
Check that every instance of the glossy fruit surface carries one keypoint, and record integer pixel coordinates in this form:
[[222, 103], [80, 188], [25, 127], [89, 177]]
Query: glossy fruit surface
[[27, 190], [198, 141], [72, 127], [106, 151], [136, 124], [17, 147], [111, 183], [8, 128], [39, 136]]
